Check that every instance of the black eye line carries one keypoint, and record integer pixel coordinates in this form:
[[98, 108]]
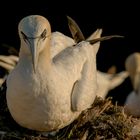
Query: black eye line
[[43, 35], [24, 36]]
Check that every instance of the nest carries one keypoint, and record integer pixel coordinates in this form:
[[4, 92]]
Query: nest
[[103, 121]]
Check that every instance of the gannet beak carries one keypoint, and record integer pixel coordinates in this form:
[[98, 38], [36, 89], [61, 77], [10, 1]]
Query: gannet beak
[[33, 49]]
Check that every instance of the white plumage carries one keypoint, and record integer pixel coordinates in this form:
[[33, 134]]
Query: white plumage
[[46, 93], [107, 82]]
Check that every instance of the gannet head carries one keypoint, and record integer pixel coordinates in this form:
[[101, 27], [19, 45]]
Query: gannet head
[[34, 32], [132, 65]]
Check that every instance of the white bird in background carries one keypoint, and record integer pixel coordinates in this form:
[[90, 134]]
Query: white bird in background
[[44, 93], [132, 102], [8, 63], [107, 82]]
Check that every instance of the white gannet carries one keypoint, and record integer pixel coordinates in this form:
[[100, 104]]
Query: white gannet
[[105, 81], [8, 63], [132, 102], [47, 93]]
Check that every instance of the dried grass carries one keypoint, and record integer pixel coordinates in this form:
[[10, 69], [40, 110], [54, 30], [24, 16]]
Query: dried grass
[[103, 121]]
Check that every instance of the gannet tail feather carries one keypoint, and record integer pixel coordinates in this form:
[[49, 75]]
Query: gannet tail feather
[[78, 35], [93, 41], [94, 34], [75, 30]]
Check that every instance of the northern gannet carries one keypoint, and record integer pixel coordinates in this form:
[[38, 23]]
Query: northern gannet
[[47, 93], [132, 102], [107, 82]]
